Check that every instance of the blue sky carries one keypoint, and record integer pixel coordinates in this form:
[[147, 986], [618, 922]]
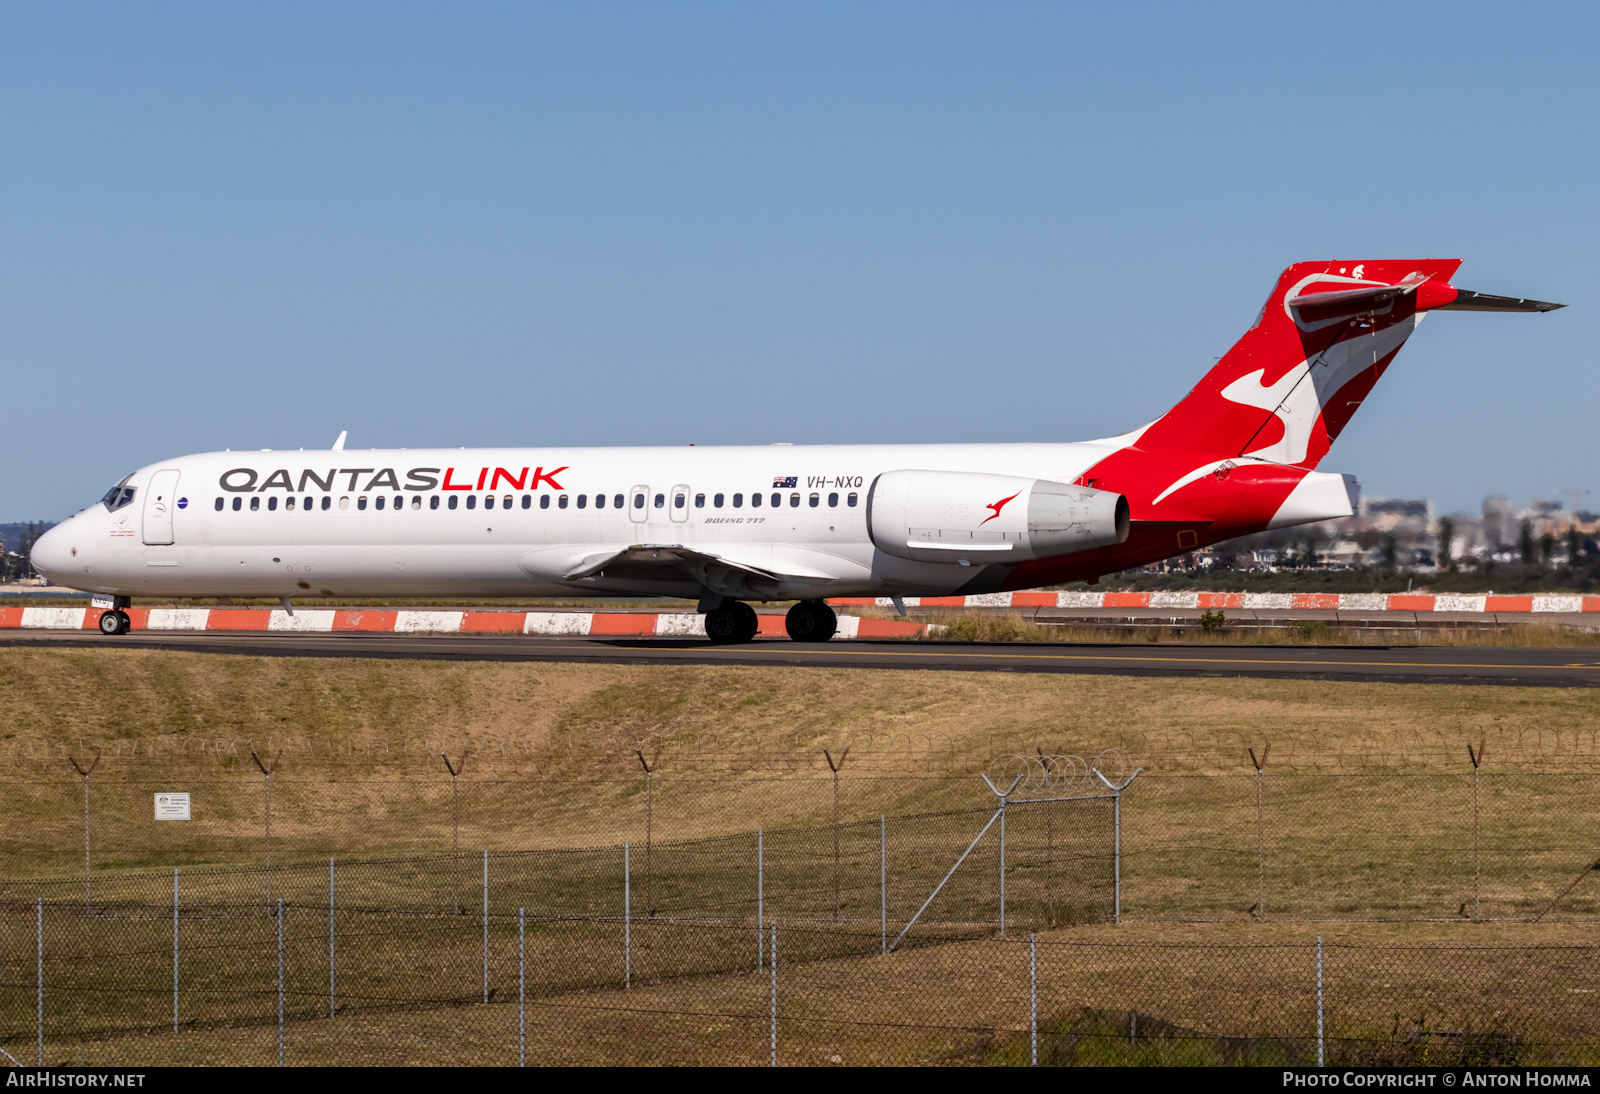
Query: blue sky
[[254, 226]]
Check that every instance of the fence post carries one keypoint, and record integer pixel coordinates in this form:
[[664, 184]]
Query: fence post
[[1477, 860], [883, 884], [627, 922], [1116, 819], [486, 925], [649, 801], [87, 893], [266, 811], [280, 982], [773, 964], [333, 952], [174, 949], [1033, 996], [1319, 1001], [1002, 867], [455, 770], [1261, 830], [761, 894], [522, 988], [39, 978], [834, 767]]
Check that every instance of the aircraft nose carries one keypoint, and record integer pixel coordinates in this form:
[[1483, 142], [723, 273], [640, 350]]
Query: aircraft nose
[[52, 554]]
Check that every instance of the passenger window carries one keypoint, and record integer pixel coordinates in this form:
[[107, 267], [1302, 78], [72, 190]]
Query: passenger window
[[544, 501], [755, 501], [699, 501], [416, 501], [527, 501], [361, 503], [219, 505], [272, 505], [344, 502], [288, 503], [738, 501], [851, 501], [453, 500], [433, 502], [472, 501], [678, 500], [583, 501], [661, 501], [599, 501], [777, 500], [638, 501], [309, 504], [327, 501], [505, 502], [716, 501], [833, 501], [237, 505], [562, 504], [377, 502], [814, 501], [255, 503], [488, 501], [617, 501]]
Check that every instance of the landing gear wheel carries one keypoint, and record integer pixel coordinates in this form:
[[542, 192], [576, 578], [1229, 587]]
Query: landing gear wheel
[[748, 623], [722, 625], [811, 621], [734, 622], [115, 622]]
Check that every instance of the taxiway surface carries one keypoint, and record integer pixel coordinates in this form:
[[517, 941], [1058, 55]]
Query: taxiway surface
[[1523, 667]]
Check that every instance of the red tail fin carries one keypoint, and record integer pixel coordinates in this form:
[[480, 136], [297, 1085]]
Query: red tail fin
[[1290, 385]]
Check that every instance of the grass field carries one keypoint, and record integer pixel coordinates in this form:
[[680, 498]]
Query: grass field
[[1367, 820], [550, 764]]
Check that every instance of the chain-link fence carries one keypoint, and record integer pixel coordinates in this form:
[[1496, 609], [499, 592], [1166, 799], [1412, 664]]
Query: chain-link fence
[[1280, 845], [1047, 863], [195, 984]]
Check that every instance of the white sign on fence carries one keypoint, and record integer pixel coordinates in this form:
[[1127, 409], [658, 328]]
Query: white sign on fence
[[172, 807]]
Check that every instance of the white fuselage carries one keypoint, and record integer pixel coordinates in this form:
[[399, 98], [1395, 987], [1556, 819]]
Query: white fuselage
[[520, 522]]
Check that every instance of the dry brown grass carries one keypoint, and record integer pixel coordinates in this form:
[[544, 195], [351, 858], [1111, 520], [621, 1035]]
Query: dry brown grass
[[550, 764], [979, 626]]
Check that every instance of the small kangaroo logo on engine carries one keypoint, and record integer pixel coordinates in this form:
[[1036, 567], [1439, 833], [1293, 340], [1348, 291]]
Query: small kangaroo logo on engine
[[997, 506]]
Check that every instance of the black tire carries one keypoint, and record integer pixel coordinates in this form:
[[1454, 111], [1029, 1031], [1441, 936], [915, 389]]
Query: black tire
[[110, 622], [748, 623], [127, 623], [811, 621], [723, 625]]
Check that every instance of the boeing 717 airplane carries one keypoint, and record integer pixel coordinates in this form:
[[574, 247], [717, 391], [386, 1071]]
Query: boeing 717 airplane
[[730, 525]]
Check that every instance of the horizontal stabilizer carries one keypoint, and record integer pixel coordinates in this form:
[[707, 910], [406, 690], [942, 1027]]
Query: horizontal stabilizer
[[1482, 301], [1322, 305]]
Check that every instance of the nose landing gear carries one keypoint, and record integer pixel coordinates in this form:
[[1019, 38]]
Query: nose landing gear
[[811, 621], [115, 622]]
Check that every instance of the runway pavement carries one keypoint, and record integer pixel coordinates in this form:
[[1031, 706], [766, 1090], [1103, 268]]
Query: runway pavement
[[1535, 667]]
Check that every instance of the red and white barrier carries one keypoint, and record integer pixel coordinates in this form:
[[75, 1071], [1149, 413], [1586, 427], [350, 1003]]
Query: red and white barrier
[[634, 624], [690, 624]]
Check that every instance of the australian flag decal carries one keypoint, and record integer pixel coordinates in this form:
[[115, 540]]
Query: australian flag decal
[[782, 483]]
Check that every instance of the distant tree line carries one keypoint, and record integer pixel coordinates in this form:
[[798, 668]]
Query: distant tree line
[[14, 558]]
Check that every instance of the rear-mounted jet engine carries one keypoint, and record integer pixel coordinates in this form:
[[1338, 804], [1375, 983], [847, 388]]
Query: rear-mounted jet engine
[[971, 518]]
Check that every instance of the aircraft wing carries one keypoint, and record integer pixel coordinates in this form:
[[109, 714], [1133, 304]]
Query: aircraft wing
[[765, 573]]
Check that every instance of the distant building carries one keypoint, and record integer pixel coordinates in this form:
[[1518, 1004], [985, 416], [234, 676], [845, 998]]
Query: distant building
[[1389, 514]]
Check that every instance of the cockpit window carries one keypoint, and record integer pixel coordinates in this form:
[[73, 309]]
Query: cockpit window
[[118, 496]]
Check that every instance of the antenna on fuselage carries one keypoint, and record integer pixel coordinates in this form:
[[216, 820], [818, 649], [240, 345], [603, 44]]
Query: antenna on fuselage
[[338, 445]]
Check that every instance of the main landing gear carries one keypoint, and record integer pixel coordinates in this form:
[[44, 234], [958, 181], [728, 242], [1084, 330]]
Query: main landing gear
[[115, 622], [811, 621], [734, 621]]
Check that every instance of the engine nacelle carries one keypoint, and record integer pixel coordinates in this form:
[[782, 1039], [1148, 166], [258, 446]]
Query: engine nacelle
[[962, 516]]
